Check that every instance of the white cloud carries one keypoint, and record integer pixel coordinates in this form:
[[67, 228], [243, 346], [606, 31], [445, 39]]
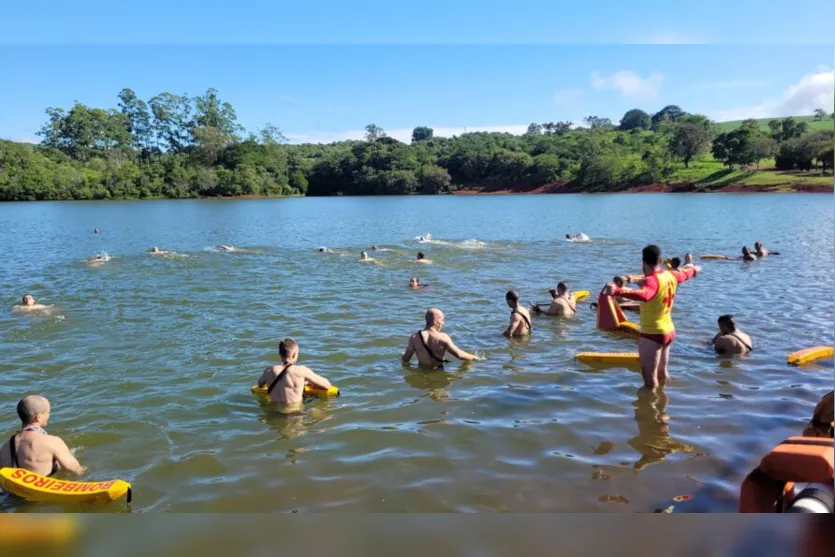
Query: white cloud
[[401, 134], [629, 84], [27, 139], [814, 90], [568, 97]]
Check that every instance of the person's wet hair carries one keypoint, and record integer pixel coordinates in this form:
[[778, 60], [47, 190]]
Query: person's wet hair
[[287, 347], [562, 287], [512, 296], [420, 255], [651, 255], [675, 262], [728, 322]]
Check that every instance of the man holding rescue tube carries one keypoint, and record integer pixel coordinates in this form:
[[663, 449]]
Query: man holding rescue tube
[[657, 292], [32, 448]]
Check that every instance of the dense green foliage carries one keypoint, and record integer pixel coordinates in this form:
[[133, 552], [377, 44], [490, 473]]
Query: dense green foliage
[[178, 146]]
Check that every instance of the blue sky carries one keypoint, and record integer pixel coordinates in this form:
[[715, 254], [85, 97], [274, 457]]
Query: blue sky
[[321, 85]]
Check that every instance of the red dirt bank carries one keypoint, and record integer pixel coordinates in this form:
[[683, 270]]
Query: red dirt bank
[[564, 187]]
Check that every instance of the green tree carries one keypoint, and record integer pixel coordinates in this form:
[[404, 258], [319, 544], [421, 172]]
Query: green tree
[[422, 133], [635, 119], [820, 114], [140, 128], [758, 146], [373, 132], [210, 112], [172, 121], [534, 129], [433, 179], [597, 123], [689, 140], [671, 113]]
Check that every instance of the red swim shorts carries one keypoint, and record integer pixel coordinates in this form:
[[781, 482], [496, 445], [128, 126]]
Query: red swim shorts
[[664, 340]]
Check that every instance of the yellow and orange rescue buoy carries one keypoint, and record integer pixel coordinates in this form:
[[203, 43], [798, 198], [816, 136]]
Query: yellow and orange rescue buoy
[[308, 391], [41, 489], [810, 355]]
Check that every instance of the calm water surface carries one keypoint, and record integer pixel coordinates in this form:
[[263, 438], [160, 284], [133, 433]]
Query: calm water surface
[[148, 360]]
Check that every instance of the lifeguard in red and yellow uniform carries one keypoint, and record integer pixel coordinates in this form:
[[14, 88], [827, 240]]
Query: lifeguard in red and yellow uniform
[[657, 292]]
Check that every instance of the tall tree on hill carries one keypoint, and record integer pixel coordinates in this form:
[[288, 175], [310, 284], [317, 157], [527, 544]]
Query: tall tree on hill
[[136, 110], [422, 133], [635, 119], [597, 123], [671, 113], [689, 140], [172, 121], [373, 132], [820, 114]]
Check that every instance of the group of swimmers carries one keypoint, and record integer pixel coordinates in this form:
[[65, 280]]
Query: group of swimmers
[[32, 448]]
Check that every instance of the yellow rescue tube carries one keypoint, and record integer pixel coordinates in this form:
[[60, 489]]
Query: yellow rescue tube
[[308, 391], [810, 355], [41, 489], [713, 256], [581, 295], [34, 532], [608, 357]]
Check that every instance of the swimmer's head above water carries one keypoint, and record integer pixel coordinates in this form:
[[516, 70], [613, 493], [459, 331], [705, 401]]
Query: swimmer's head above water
[[688, 259], [727, 325], [374, 248], [33, 410], [288, 349], [562, 289], [364, 255], [434, 319], [414, 282], [618, 281], [420, 256], [28, 300], [512, 299], [675, 263], [154, 249]]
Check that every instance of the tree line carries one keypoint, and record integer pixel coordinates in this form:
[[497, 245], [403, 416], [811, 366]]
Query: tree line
[[178, 146]]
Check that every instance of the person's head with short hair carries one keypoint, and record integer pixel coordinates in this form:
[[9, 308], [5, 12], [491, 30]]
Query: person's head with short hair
[[651, 257], [414, 282], [688, 259], [745, 250], [618, 281], [420, 255], [374, 248], [28, 300], [288, 349], [758, 245], [726, 324], [434, 319], [562, 289], [675, 263], [512, 298], [364, 255], [322, 250], [154, 249], [33, 410], [568, 236]]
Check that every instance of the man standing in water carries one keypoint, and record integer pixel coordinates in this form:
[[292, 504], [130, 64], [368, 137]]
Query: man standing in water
[[430, 345], [285, 383], [32, 448], [520, 319], [657, 292]]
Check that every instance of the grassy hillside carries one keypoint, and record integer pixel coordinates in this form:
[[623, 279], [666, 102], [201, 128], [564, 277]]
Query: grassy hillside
[[826, 124]]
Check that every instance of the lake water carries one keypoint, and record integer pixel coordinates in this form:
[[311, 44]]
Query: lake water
[[148, 361]]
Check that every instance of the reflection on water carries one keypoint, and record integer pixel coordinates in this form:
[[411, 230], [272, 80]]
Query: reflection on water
[[653, 442], [149, 361]]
